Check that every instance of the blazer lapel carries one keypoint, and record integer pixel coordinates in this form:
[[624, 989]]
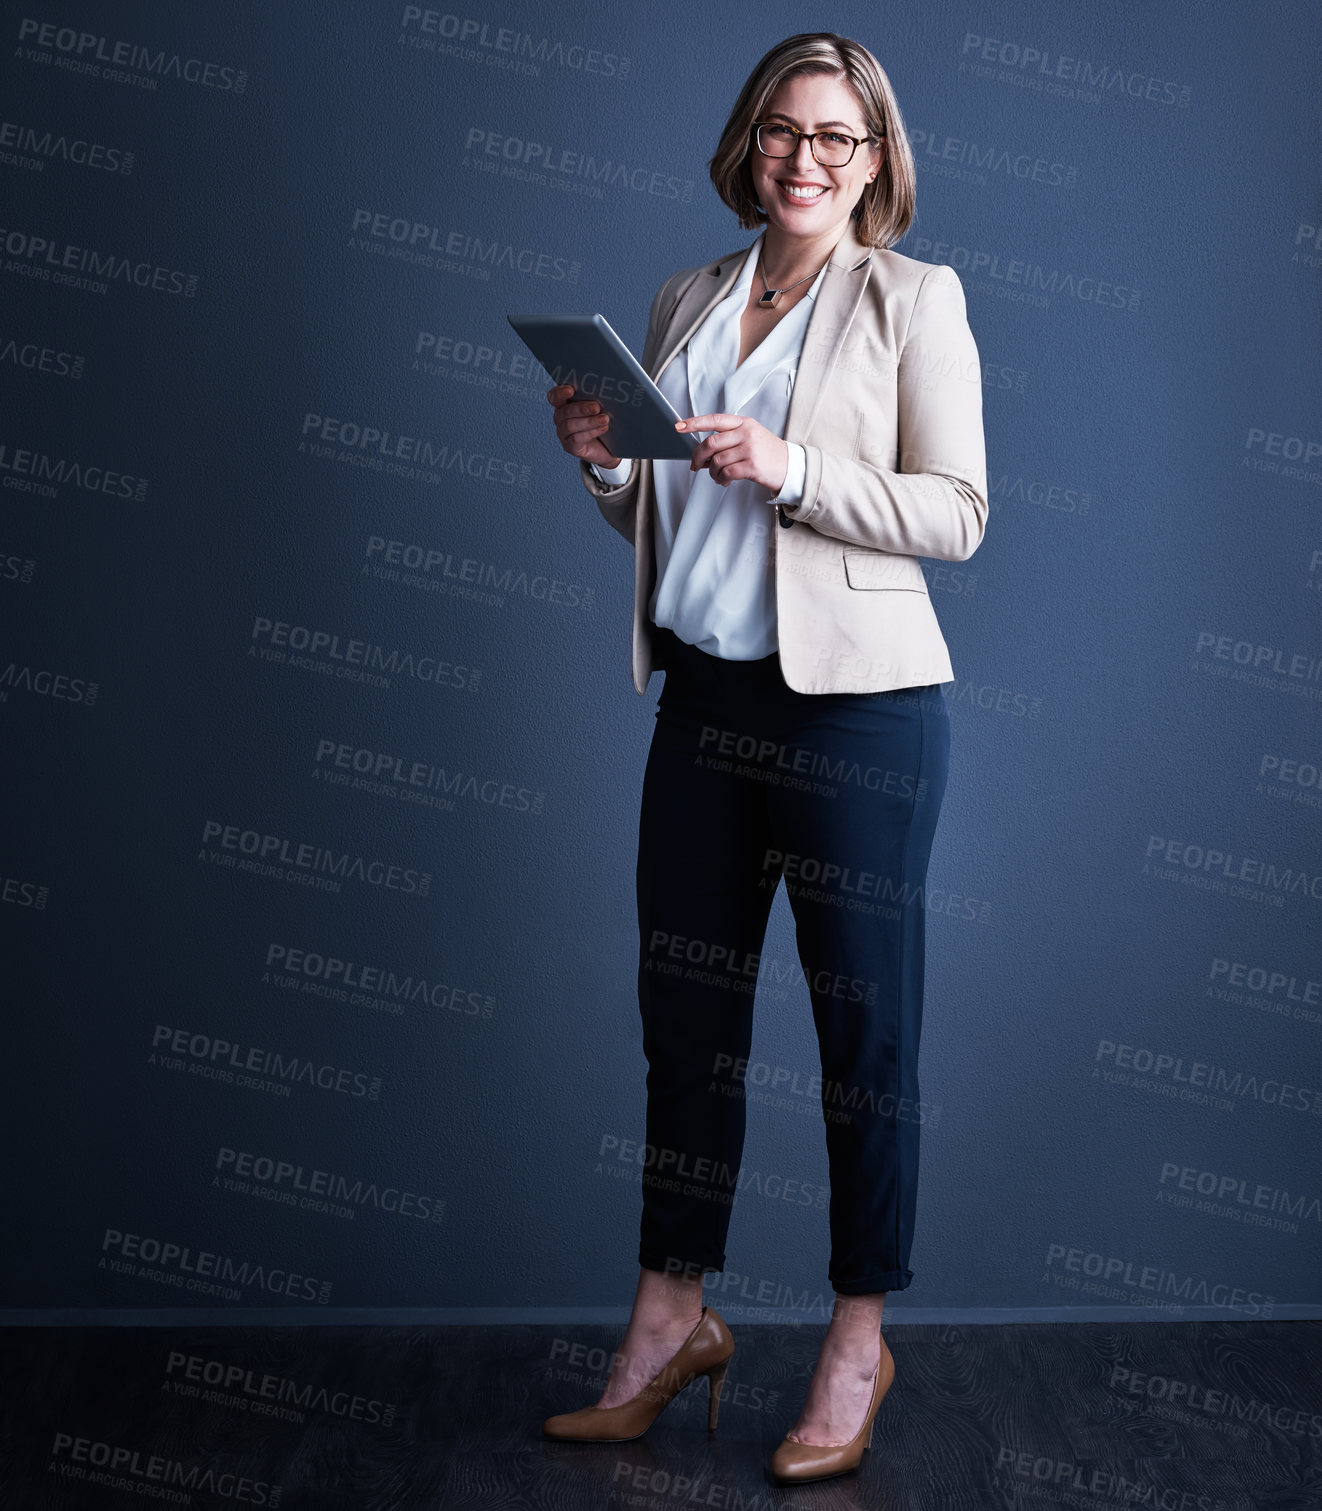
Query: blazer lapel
[[711, 284], [833, 313]]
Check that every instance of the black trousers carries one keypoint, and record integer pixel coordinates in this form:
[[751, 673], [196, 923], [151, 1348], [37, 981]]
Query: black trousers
[[749, 783]]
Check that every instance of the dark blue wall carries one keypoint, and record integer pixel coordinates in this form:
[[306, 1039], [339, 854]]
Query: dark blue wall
[[206, 309]]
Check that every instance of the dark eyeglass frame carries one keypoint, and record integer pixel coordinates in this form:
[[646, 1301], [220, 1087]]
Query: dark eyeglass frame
[[811, 136]]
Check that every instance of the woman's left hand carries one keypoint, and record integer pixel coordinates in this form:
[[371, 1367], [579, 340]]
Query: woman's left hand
[[738, 446]]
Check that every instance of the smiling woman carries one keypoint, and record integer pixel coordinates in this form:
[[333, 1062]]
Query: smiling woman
[[838, 381]]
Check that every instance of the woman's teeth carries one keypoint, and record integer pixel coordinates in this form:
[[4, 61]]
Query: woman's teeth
[[805, 194]]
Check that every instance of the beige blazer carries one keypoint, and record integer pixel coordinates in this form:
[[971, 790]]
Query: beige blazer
[[887, 404]]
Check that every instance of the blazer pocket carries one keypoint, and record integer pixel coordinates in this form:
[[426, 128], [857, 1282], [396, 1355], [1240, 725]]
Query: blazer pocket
[[883, 569]]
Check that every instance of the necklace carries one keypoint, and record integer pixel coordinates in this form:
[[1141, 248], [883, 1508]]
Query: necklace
[[767, 299]]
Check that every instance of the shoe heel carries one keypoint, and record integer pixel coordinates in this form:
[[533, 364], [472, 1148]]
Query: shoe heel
[[715, 1379], [885, 1372]]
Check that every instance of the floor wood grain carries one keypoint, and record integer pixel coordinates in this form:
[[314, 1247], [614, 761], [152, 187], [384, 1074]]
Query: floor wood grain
[[1083, 1416]]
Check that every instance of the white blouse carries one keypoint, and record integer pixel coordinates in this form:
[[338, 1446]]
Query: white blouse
[[715, 577]]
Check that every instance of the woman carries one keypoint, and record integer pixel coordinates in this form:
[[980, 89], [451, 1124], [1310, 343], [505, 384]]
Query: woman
[[801, 733]]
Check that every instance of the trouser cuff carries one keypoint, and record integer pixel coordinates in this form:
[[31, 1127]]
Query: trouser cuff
[[879, 1280], [676, 1268]]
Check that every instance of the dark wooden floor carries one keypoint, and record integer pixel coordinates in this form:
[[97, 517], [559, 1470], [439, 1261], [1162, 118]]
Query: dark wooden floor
[[1090, 1416]]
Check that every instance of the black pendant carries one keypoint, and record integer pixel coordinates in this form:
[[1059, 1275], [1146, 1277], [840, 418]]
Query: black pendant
[[770, 297]]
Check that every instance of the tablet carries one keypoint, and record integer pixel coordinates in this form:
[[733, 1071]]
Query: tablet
[[585, 351]]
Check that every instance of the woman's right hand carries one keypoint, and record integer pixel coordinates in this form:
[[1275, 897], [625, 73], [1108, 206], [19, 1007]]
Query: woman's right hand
[[580, 423]]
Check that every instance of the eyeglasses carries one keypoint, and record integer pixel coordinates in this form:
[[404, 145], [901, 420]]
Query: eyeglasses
[[778, 139]]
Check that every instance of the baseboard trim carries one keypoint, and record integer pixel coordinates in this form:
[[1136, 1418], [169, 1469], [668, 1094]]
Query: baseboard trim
[[575, 1316]]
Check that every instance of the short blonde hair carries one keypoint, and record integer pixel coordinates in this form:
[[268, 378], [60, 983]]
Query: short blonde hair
[[886, 208]]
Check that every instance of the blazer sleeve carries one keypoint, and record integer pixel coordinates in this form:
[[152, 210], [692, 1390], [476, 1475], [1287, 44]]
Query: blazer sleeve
[[935, 503], [618, 501]]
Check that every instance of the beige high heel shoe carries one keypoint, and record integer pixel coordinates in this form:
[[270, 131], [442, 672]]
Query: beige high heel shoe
[[706, 1351], [794, 1462]]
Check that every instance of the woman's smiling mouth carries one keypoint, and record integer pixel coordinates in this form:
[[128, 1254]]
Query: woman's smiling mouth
[[801, 194]]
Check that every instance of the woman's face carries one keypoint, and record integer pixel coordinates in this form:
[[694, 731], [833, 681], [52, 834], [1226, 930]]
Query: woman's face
[[813, 102]]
